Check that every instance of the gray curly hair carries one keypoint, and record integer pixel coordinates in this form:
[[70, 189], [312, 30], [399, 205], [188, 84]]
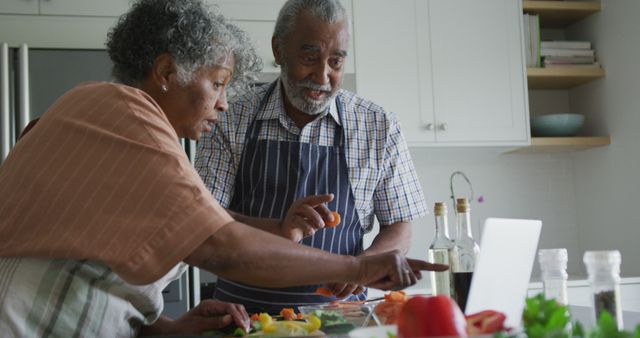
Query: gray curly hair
[[329, 11], [192, 33]]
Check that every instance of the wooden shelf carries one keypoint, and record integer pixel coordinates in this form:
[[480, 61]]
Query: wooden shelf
[[560, 14], [561, 77], [562, 144]]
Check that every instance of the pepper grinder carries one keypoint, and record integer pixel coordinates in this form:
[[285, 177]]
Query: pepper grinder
[[603, 268], [553, 265]]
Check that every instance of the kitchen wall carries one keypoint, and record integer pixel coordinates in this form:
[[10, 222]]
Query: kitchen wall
[[606, 180], [587, 200], [531, 186]]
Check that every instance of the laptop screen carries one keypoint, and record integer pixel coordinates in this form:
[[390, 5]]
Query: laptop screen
[[503, 269]]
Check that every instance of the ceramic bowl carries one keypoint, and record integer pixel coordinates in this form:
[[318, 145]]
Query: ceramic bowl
[[556, 124]]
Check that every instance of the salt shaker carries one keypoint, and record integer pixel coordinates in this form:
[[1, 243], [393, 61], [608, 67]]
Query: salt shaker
[[553, 265], [603, 268]]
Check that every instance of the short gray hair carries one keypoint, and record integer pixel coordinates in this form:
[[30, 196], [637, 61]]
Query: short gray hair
[[329, 11], [193, 34]]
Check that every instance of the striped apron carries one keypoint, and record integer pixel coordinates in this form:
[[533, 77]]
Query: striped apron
[[273, 174]]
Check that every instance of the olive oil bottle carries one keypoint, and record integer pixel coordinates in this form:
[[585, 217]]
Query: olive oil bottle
[[463, 255], [439, 252]]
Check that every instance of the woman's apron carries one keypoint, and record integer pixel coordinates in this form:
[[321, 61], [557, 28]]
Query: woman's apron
[[273, 174]]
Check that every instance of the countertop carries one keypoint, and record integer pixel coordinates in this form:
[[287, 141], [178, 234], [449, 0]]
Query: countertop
[[423, 286]]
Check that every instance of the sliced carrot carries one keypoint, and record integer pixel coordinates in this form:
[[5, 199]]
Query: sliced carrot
[[335, 222], [396, 296], [299, 315], [288, 314], [255, 317], [324, 291]]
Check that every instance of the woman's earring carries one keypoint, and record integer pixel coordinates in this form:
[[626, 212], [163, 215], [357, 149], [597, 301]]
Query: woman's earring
[[164, 88]]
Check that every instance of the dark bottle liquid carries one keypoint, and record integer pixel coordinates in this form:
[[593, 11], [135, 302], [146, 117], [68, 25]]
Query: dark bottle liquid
[[461, 286]]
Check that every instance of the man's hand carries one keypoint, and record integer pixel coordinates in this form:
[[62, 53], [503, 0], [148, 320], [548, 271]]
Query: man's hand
[[211, 315], [392, 271], [306, 216]]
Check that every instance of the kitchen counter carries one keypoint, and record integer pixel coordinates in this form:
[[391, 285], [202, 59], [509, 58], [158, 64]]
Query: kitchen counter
[[578, 287]]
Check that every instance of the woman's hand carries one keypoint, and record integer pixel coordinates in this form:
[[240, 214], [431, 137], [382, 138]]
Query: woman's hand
[[211, 315], [343, 290], [306, 216]]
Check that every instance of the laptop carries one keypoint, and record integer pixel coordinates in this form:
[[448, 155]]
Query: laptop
[[501, 277]]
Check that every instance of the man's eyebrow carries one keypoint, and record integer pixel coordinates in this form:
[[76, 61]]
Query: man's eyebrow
[[310, 48], [340, 52], [313, 48]]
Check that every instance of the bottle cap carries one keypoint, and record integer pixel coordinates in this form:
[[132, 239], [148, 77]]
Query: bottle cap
[[439, 209], [602, 258], [462, 205], [555, 259]]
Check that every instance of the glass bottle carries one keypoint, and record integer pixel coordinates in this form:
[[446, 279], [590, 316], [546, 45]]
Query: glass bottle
[[463, 255], [603, 268], [439, 251], [553, 265]]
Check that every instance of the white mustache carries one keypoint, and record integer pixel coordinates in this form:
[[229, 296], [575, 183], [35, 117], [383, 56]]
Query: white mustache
[[310, 85]]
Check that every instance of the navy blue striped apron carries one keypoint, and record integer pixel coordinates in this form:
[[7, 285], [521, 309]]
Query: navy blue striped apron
[[273, 174]]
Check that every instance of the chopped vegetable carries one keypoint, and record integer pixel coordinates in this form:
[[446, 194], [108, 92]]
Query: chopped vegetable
[[484, 322], [335, 222], [288, 314], [324, 292], [436, 316], [389, 310]]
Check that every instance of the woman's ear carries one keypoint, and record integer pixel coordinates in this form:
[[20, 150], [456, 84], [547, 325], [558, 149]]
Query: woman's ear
[[163, 71]]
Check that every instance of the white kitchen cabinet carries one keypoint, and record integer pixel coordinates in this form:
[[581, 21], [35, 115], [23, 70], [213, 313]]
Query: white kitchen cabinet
[[258, 19], [59, 23], [109, 8], [452, 70], [19, 6]]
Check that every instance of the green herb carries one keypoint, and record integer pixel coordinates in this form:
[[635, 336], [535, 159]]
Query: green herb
[[545, 318]]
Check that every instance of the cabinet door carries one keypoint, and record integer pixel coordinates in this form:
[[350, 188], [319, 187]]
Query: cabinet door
[[19, 6], [478, 71], [261, 32], [387, 63], [109, 8]]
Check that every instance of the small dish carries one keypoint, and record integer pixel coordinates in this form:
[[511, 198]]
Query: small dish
[[556, 124], [359, 315]]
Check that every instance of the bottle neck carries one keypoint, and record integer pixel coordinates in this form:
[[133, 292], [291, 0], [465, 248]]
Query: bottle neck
[[464, 225], [442, 226]]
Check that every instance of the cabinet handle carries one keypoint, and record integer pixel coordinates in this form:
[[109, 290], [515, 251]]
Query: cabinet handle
[[429, 126], [444, 126]]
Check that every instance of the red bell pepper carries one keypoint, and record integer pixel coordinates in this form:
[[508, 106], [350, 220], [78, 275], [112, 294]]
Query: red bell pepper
[[485, 322], [436, 316]]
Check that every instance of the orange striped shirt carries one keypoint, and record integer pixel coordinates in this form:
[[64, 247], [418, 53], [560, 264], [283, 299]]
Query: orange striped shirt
[[102, 176]]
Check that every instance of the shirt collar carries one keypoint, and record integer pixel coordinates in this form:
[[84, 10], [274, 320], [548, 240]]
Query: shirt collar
[[274, 106]]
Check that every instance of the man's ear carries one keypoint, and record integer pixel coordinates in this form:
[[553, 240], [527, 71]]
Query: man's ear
[[163, 70], [275, 48]]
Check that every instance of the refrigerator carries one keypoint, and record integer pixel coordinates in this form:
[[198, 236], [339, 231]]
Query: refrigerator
[[31, 79]]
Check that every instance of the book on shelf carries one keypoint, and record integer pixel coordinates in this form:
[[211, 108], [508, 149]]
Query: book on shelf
[[566, 52], [531, 25], [570, 59], [551, 64], [566, 44]]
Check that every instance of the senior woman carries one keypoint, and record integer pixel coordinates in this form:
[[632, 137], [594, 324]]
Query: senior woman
[[101, 206]]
